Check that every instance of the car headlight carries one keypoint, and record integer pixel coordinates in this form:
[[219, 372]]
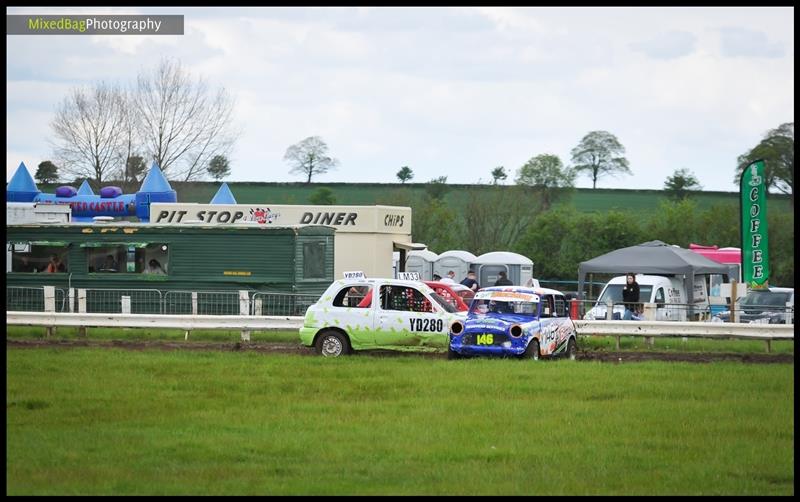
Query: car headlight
[[515, 331]]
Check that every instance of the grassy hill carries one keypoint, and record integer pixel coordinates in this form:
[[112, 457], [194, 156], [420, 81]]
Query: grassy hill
[[584, 199]]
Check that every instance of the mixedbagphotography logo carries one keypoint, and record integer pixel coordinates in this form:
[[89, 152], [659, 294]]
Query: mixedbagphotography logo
[[17, 24]]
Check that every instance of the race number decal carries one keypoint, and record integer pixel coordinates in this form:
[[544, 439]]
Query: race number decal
[[426, 324], [485, 339]]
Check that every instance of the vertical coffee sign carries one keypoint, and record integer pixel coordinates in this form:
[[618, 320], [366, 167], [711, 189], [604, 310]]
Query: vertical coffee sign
[[755, 253]]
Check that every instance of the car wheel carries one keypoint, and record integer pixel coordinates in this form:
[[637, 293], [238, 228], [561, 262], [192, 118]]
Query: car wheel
[[532, 351], [572, 349], [452, 354], [332, 344]]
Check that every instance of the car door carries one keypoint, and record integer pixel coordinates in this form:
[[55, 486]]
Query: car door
[[351, 311], [555, 324], [408, 317]]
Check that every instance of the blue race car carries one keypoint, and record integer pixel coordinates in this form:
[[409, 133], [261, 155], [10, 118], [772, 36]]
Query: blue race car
[[515, 321]]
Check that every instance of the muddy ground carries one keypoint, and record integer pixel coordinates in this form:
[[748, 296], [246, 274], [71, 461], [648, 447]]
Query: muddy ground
[[290, 348]]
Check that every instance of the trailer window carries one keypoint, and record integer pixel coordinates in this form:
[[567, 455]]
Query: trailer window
[[32, 257], [135, 258], [314, 260]]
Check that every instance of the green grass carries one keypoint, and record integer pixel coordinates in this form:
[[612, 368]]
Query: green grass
[[677, 344], [593, 343], [91, 421], [147, 334]]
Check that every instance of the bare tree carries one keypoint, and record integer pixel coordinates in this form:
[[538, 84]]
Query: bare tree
[[89, 131], [183, 123], [309, 157]]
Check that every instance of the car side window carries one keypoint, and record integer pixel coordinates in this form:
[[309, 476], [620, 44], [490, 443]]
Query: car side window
[[560, 306], [548, 306], [352, 296], [404, 299]]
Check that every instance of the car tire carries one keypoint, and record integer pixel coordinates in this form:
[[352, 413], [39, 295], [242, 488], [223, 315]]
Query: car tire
[[452, 354], [572, 349], [532, 350], [332, 344]]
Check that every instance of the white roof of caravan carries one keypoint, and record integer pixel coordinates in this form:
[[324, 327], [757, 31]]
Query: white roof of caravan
[[424, 254], [503, 257], [464, 255]]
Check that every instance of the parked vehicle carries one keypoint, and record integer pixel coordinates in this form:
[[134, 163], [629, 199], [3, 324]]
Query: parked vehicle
[[773, 305], [515, 321], [668, 293], [408, 316]]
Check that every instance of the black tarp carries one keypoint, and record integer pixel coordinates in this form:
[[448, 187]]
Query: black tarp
[[654, 257]]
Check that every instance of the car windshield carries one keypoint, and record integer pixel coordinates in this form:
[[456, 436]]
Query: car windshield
[[613, 293], [766, 299], [487, 306], [447, 306]]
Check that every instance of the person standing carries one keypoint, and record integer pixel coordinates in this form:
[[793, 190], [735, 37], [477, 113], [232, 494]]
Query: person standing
[[470, 281], [630, 296], [502, 280], [55, 265]]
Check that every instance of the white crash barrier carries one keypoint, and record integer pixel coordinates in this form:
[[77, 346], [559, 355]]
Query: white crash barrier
[[266, 323], [185, 322], [686, 329]]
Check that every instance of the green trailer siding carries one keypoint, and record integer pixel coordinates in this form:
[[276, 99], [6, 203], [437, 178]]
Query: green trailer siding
[[200, 258]]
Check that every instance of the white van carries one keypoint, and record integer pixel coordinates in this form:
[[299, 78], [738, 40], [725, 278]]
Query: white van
[[668, 293]]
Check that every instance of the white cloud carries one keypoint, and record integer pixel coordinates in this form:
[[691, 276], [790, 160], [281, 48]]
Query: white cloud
[[450, 91]]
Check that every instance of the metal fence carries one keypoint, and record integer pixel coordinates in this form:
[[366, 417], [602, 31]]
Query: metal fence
[[281, 304], [120, 301], [766, 314], [153, 301], [32, 299], [203, 302]]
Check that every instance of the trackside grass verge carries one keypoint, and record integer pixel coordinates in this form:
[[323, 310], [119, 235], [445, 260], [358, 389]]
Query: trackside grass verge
[[89, 421], [586, 343]]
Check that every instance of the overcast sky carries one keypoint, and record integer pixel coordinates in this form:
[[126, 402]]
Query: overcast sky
[[452, 91]]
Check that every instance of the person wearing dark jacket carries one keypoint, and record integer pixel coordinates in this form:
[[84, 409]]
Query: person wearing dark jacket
[[502, 280], [630, 296]]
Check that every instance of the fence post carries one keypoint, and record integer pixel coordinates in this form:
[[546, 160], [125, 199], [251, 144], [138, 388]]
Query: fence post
[[257, 308], [125, 304], [49, 306], [734, 313], [769, 345], [649, 315], [81, 301], [194, 302], [609, 310], [244, 309], [71, 300]]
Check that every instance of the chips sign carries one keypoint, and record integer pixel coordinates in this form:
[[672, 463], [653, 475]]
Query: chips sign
[[755, 247], [408, 276], [355, 275]]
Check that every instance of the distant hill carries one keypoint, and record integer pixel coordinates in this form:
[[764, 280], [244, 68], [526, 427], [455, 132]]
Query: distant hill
[[584, 199]]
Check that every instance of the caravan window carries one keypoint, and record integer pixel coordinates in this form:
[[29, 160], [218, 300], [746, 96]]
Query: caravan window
[[128, 257], [34, 257], [314, 260]]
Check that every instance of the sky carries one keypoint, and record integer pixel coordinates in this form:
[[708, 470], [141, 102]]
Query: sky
[[450, 91]]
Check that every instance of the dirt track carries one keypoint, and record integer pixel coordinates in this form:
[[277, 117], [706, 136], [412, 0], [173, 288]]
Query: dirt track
[[291, 348]]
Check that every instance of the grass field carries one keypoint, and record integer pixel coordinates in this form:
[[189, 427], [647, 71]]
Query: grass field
[[104, 421]]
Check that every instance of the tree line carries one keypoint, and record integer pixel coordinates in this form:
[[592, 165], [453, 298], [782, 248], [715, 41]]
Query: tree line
[[557, 238]]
